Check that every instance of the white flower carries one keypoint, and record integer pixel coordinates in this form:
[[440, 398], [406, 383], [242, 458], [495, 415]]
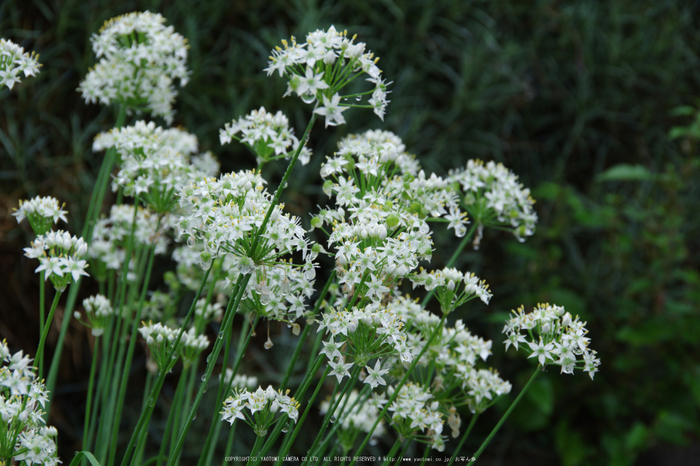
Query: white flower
[[375, 375], [541, 351], [13, 61], [340, 369], [332, 110]]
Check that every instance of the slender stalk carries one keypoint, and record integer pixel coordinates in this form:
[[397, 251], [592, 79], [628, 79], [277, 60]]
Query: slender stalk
[[186, 407], [364, 394], [330, 414], [88, 403], [256, 448], [507, 413], [173, 416], [228, 318], [463, 439], [403, 453], [392, 452], [215, 427], [229, 441], [453, 259], [102, 182], [42, 304], [130, 352], [146, 413], [228, 321], [290, 437], [45, 333], [86, 234]]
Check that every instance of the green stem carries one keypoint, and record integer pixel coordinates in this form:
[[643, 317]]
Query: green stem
[[42, 303], [173, 416], [453, 259], [130, 352], [305, 332], [290, 440], [256, 447], [507, 413], [146, 413], [463, 439], [283, 183], [88, 404], [333, 406], [186, 407], [101, 183], [229, 441], [75, 288], [45, 333], [226, 327], [225, 389], [392, 452]]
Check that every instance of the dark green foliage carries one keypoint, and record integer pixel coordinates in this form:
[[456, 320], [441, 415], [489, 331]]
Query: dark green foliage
[[577, 98]]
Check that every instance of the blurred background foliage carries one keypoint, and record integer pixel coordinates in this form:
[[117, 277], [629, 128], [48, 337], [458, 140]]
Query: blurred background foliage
[[593, 104]]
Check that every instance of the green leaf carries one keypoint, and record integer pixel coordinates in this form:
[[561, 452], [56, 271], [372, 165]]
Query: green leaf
[[678, 131], [636, 438], [84, 454], [685, 110], [625, 172], [570, 445], [672, 427]]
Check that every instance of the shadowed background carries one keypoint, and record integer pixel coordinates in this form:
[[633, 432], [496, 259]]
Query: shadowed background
[[577, 98]]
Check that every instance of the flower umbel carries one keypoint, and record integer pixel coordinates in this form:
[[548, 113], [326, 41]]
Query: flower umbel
[[140, 61], [14, 61], [555, 338], [321, 67], [41, 212]]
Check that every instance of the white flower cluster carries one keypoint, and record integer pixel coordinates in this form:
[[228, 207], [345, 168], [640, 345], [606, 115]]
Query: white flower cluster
[[266, 401], [140, 60], [370, 149], [24, 435], [358, 415], [279, 292], [41, 212], [60, 257], [239, 380], [412, 412], [448, 285], [319, 68], [208, 312], [111, 234], [98, 311], [189, 268], [454, 354], [14, 61], [493, 197], [226, 215], [386, 233], [268, 136], [161, 340], [193, 346], [555, 338], [371, 332], [155, 162]]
